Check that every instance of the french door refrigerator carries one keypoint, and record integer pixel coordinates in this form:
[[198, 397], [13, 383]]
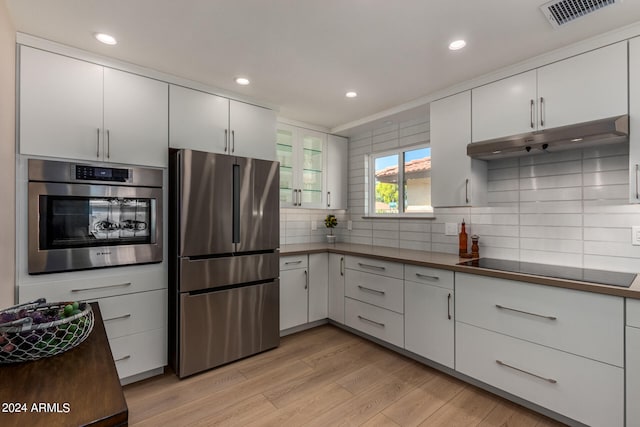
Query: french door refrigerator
[[223, 272]]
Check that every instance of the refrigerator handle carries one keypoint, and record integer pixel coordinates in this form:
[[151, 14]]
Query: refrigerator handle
[[236, 203]]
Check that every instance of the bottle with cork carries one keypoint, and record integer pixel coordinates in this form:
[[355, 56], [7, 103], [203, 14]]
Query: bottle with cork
[[463, 241]]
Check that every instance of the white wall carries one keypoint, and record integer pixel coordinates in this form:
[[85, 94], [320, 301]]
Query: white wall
[[7, 157]]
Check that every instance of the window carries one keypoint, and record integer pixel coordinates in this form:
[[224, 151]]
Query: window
[[400, 182]]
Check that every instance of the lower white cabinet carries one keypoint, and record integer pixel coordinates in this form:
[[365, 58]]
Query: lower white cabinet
[[582, 389], [140, 352], [336, 287], [304, 290], [632, 366], [318, 286], [378, 322], [294, 305]]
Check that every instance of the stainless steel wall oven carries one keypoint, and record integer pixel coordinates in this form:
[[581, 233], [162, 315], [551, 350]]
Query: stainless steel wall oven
[[84, 216]]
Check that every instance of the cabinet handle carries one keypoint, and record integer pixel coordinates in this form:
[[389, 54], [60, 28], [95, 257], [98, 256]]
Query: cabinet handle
[[299, 197], [466, 190], [531, 109], [108, 144], [425, 276], [342, 266], [526, 312], [375, 267], [541, 111], [637, 191], [449, 306], [102, 287], [549, 380], [226, 139], [306, 279], [293, 262], [375, 291], [371, 321], [233, 141], [124, 316], [98, 143], [128, 356], [328, 199]]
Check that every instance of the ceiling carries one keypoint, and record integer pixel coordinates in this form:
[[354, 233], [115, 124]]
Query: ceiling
[[303, 55]]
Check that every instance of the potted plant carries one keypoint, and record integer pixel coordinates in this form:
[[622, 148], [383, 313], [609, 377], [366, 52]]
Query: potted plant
[[330, 221]]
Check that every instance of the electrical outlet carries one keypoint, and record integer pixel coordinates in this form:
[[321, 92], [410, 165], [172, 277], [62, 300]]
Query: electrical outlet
[[349, 225], [635, 235], [314, 225], [450, 229]]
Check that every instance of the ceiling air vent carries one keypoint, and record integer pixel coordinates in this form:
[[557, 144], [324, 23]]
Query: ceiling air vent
[[560, 12]]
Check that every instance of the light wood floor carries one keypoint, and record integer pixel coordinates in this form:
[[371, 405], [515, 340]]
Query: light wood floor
[[322, 377]]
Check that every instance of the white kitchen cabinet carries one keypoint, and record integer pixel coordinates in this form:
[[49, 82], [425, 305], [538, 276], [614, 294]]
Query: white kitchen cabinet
[[337, 172], [318, 286], [456, 179], [78, 110], [582, 88], [302, 156], [632, 367], [383, 324], [336, 287], [634, 120], [294, 294], [207, 122], [429, 314]]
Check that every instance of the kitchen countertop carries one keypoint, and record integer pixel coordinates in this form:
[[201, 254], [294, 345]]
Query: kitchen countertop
[[450, 262]]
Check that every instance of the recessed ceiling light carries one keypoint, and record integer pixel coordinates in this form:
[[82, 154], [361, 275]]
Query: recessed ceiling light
[[351, 94], [106, 38], [576, 140], [457, 45], [242, 81]]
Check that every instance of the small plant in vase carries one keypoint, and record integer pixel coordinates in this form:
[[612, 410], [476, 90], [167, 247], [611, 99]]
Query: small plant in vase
[[331, 221]]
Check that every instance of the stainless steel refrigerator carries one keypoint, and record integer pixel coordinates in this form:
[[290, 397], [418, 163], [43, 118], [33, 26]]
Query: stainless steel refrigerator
[[223, 273]]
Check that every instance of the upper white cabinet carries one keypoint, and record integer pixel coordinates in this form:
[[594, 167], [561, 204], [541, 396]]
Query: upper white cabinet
[[585, 87], [206, 122], [302, 156], [634, 120], [456, 179], [75, 109], [337, 172]]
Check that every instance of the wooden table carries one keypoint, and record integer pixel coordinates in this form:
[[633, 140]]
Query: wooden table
[[81, 387]]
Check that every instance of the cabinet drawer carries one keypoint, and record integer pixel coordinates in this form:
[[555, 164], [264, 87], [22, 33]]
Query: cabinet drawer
[[383, 268], [139, 353], [385, 292], [430, 276], [91, 288], [375, 321], [633, 312], [583, 323], [585, 390], [134, 313], [293, 262], [632, 373]]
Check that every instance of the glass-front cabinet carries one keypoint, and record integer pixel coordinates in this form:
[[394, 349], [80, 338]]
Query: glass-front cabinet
[[302, 156]]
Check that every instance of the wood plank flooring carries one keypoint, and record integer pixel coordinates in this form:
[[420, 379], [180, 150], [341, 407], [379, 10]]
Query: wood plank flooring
[[322, 377]]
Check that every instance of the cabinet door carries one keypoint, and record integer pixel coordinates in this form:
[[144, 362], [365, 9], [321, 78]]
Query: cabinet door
[[633, 376], [312, 167], [336, 287], [253, 131], [318, 286], [293, 298], [585, 87], [286, 155], [503, 108], [198, 120], [60, 106], [337, 172], [428, 322], [634, 120], [135, 119], [456, 179]]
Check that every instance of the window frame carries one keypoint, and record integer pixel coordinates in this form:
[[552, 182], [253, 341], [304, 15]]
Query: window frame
[[370, 176]]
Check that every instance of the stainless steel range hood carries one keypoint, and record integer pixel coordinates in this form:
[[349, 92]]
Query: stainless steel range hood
[[581, 135]]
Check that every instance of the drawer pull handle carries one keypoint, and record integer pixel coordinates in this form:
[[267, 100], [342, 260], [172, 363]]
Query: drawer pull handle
[[549, 380], [371, 321], [124, 316], [375, 291], [342, 266], [292, 262], [425, 276], [526, 312], [449, 306], [128, 356], [375, 267], [306, 279], [119, 285]]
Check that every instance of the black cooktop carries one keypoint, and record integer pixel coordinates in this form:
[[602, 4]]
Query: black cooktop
[[603, 277]]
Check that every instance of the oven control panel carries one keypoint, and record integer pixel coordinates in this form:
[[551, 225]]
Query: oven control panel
[[95, 173]]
